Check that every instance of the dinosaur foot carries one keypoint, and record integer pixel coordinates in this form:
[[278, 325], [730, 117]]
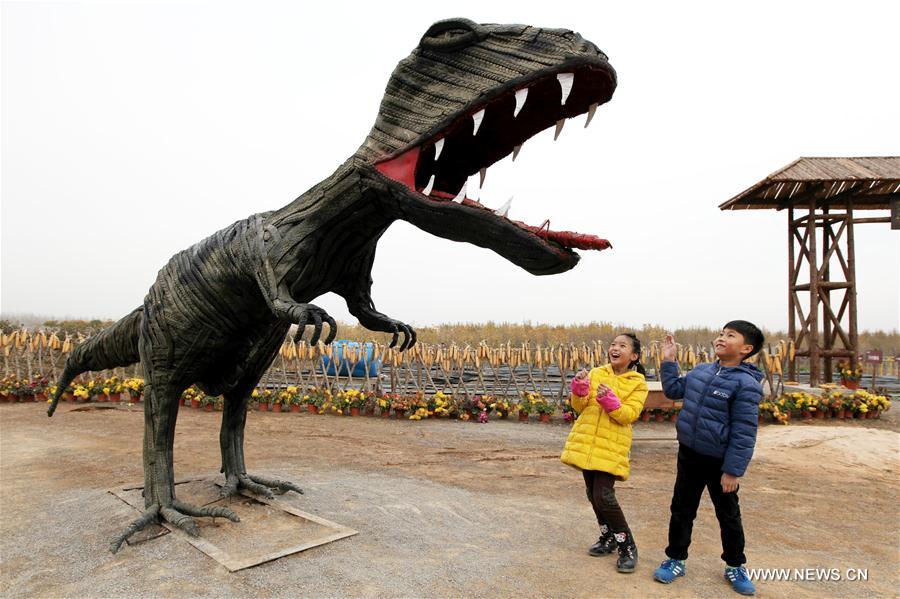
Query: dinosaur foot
[[177, 514], [261, 485]]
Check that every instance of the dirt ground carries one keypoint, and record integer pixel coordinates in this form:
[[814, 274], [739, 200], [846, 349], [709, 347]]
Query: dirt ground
[[444, 508]]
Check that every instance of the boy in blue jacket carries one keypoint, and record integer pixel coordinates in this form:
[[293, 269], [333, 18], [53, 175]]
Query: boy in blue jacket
[[716, 434]]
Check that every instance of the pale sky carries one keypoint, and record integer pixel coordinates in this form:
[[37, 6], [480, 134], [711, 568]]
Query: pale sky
[[132, 130]]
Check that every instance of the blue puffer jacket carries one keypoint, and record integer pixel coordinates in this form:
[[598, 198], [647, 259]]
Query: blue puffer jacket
[[720, 413]]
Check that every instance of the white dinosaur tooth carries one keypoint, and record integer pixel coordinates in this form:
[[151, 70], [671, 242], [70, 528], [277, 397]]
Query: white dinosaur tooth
[[521, 95], [504, 209], [516, 151], [559, 127], [591, 110], [461, 195], [565, 82], [482, 173], [476, 120], [438, 146], [429, 187]]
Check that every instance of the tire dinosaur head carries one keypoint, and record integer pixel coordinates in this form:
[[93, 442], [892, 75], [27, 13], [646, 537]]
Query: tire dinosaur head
[[466, 97]]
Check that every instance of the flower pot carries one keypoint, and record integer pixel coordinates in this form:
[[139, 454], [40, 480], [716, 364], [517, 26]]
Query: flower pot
[[850, 384], [208, 407], [819, 414], [263, 406], [840, 414], [195, 403], [673, 418], [115, 397], [276, 407], [523, 417], [827, 414], [545, 418], [41, 397], [870, 415], [295, 407], [181, 402], [399, 414], [67, 397], [26, 398], [876, 414], [136, 398], [385, 413], [807, 415], [858, 415], [659, 417], [311, 408], [369, 412], [354, 411]]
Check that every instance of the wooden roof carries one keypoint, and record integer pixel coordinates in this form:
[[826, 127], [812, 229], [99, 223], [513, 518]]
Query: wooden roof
[[870, 183]]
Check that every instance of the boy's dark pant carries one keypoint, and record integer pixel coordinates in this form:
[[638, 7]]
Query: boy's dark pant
[[696, 472]]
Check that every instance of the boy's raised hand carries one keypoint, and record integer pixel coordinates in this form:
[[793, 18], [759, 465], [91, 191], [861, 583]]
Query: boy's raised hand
[[668, 348]]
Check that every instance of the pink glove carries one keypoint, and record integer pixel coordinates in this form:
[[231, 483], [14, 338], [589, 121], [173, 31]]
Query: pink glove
[[610, 401], [581, 387]]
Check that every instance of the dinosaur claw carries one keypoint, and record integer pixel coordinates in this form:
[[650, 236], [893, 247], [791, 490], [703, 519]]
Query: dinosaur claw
[[332, 330]]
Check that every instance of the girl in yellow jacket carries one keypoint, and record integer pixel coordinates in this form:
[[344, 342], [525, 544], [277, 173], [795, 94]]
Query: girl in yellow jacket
[[608, 400]]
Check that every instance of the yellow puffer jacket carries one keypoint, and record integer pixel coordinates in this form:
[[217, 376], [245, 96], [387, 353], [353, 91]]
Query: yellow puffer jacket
[[600, 440]]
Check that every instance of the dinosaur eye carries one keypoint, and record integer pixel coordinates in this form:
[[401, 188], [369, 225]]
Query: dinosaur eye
[[451, 34]]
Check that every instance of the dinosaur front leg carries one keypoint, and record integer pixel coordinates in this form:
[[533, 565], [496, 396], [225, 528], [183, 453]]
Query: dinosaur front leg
[[374, 320], [356, 287], [231, 439], [306, 314], [160, 414]]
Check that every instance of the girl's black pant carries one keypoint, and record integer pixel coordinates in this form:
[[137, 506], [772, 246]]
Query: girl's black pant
[[695, 473], [602, 495]]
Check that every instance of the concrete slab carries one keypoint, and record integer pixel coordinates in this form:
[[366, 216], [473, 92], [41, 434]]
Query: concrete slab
[[269, 529]]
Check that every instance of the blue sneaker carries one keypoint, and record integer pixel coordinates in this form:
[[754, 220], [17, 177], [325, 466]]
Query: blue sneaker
[[739, 580], [669, 570]]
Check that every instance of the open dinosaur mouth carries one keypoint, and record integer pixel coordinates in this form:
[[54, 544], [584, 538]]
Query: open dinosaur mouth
[[439, 167]]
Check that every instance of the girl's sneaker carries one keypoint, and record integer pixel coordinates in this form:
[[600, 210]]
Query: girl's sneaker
[[669, 570], [739, 580]]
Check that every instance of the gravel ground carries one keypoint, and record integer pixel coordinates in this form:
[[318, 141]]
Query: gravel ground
[[443, 509]]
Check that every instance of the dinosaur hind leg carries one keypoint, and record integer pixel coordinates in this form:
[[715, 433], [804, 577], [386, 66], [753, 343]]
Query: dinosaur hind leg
[[231, 439], [234, 418], [160, 414]]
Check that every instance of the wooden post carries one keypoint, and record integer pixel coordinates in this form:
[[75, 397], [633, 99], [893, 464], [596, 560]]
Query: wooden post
[[851, 280], [792, 277], [826, 291], [813, 315]]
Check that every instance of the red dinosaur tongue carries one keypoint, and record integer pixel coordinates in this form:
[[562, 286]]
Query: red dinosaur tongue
[[402, 169]]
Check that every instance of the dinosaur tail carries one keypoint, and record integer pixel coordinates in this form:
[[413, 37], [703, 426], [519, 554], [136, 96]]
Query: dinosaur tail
[[114, 346]]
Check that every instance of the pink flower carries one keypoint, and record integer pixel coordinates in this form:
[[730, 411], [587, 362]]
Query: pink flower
[[483, 417]]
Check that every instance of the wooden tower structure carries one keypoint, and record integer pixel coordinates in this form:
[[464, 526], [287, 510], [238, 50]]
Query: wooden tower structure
[[823, 197]]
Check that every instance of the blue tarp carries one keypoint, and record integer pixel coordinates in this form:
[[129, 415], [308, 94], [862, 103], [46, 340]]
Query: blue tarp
[[336, 362]]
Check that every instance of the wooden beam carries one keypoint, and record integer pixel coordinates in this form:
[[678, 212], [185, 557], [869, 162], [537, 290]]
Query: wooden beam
[[874, 219], [823, 285], [834, 353]]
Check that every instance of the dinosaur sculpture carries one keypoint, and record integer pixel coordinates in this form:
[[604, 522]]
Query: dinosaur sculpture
[[466, 97]]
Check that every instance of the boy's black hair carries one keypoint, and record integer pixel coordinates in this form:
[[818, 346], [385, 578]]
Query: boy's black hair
[[751, 333], [636, 348]]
